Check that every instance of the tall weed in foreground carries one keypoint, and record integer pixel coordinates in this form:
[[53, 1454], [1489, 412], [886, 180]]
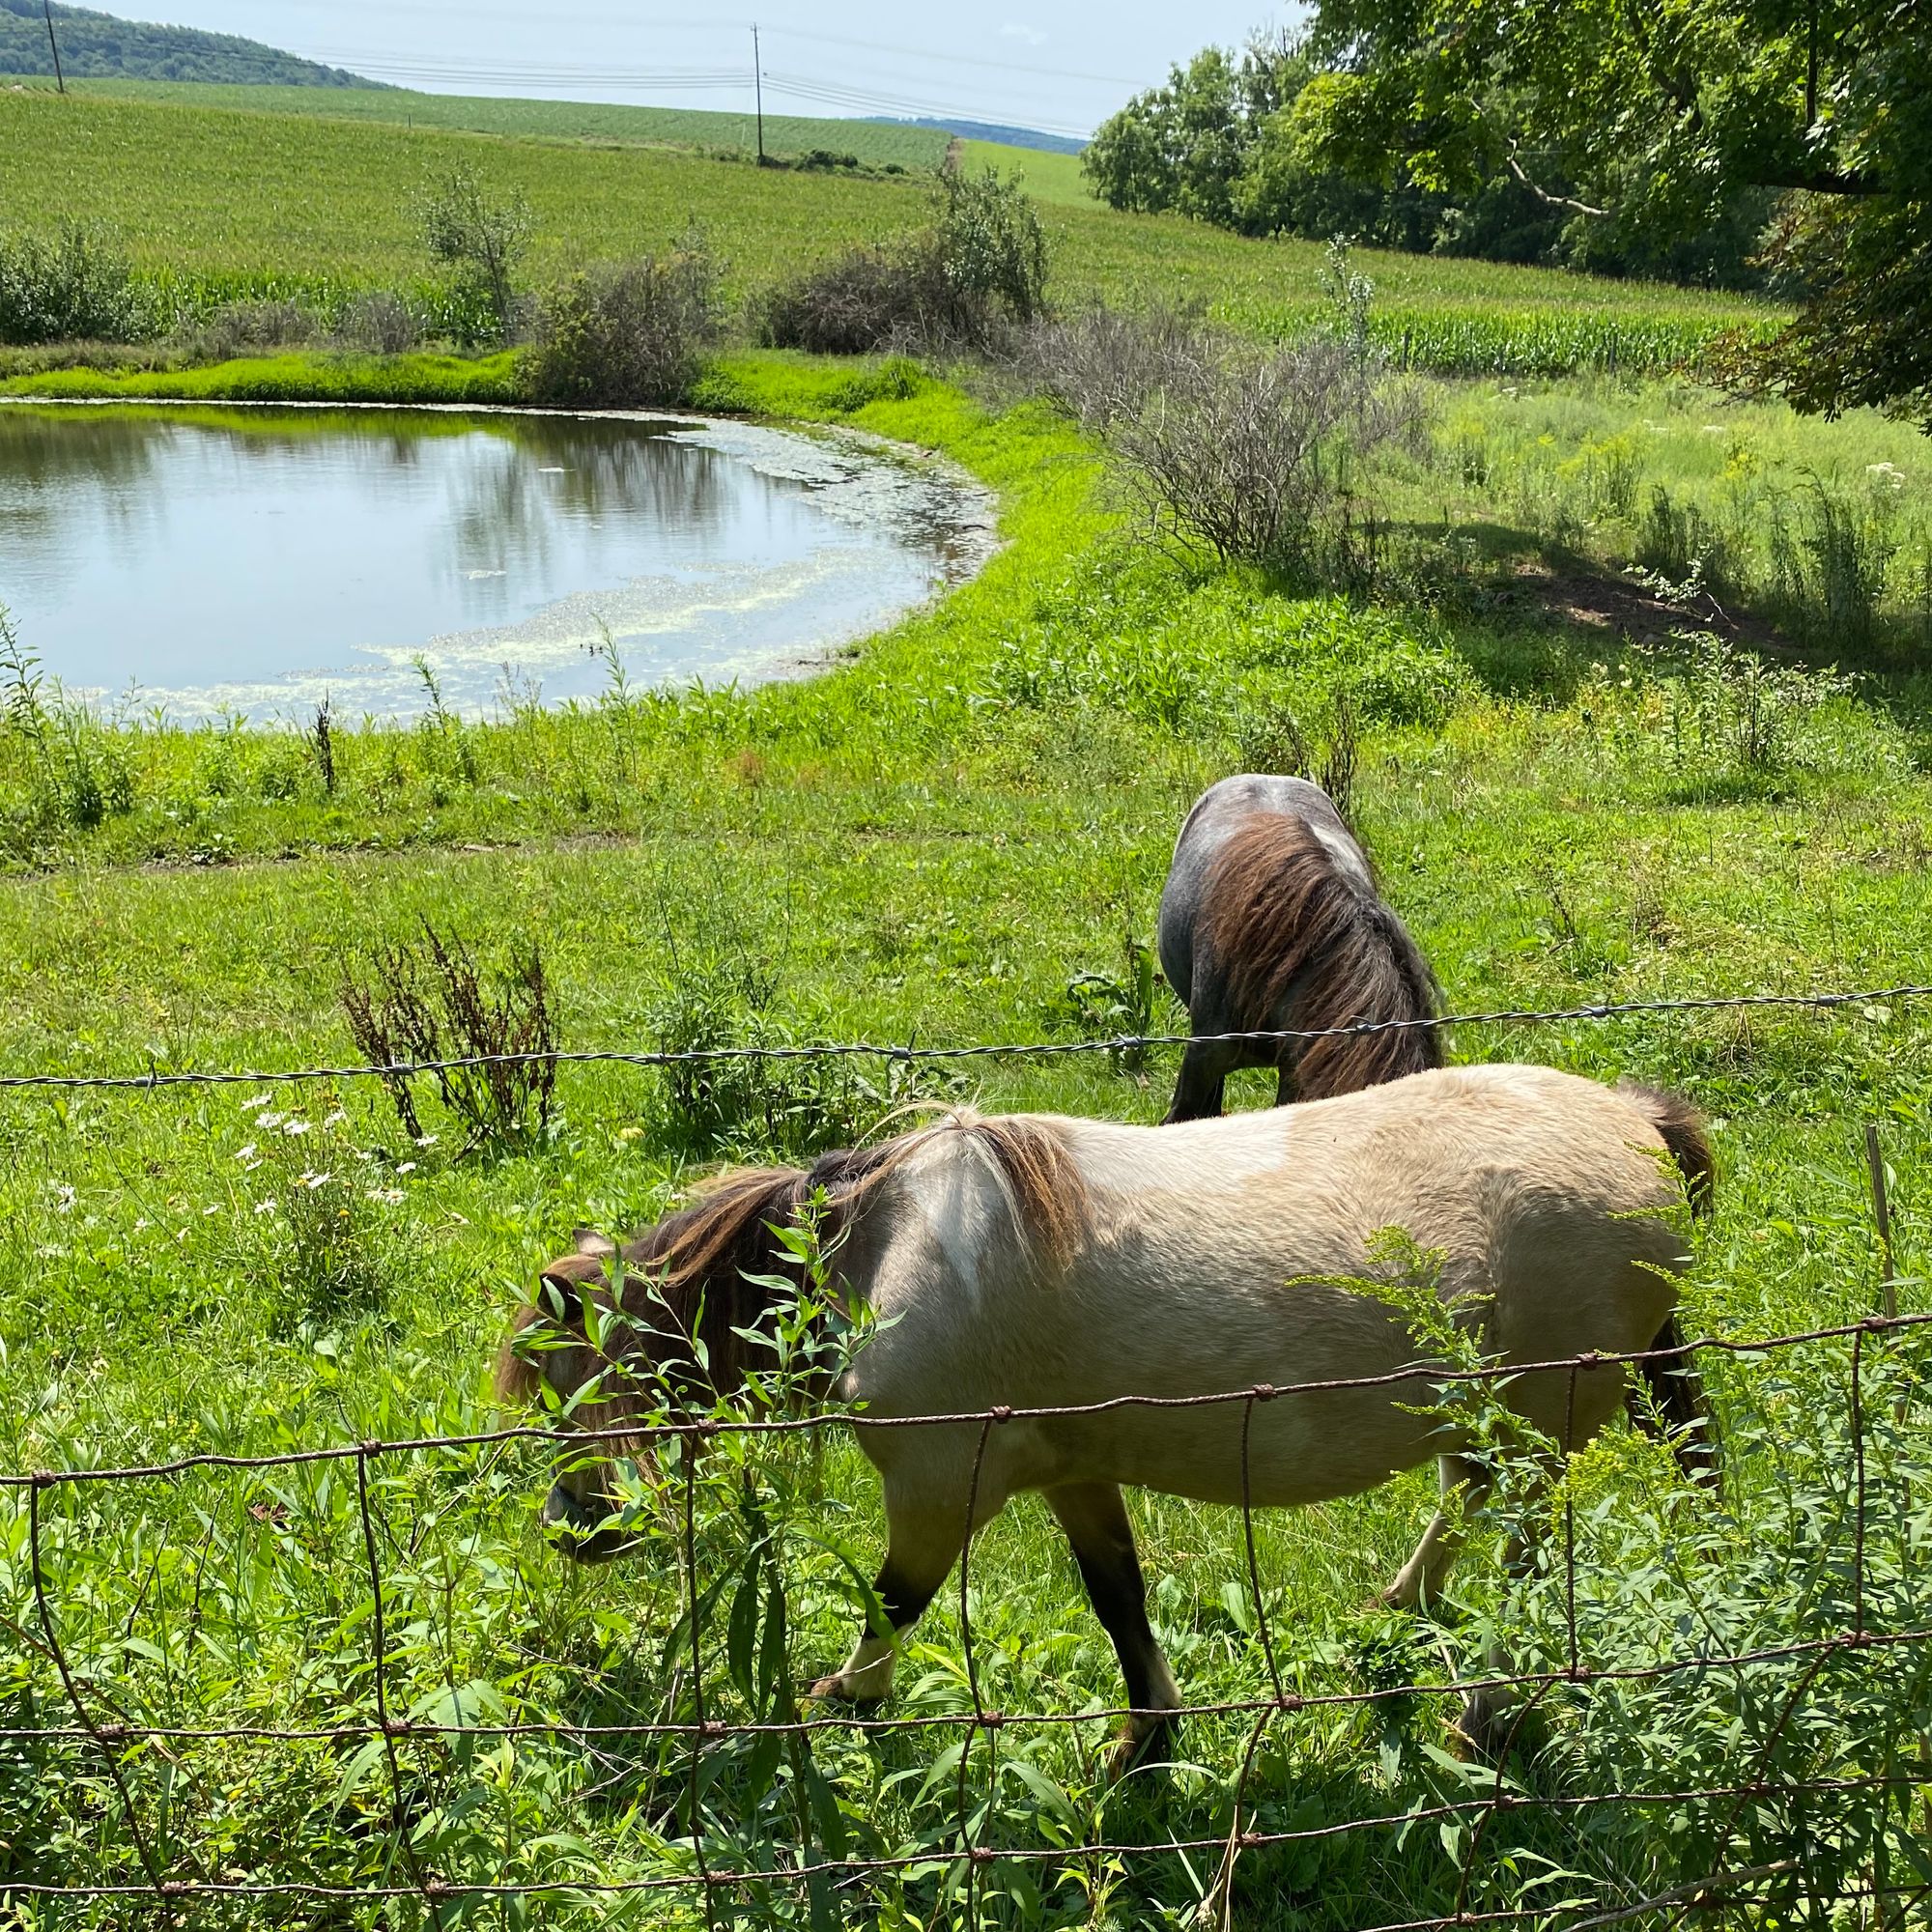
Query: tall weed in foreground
[[427, 1002], [75, 775]]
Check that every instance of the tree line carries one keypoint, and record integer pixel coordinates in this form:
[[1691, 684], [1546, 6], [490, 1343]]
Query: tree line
[[1779, 144]]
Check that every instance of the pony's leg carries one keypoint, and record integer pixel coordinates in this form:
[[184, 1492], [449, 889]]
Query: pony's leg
[[1096, 1522], [1204, 1077], [1425, 1573], [923, 1540]]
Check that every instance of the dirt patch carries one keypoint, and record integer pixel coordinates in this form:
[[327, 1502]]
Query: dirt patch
[[1621, 607]]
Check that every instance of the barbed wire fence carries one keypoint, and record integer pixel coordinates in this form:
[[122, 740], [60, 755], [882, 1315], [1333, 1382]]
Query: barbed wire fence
[[716, 1889]]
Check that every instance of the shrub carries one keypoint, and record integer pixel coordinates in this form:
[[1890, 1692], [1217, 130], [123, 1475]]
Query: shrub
[[627, 332], [382, 321], [429, 1001], [72, 285], [977, 272], [990, 243], [1257, 454], [249, 327]]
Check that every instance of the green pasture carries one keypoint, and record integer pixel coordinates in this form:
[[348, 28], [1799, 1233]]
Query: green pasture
[[958, 836], [226, 203]]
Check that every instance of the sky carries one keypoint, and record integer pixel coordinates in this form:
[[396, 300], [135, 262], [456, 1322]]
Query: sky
[[1058, 65]]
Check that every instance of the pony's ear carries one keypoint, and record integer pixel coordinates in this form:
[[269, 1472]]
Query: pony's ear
[[559, 1297], [590, 1242]]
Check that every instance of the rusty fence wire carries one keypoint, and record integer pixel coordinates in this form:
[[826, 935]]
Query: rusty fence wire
[[716, 1889], [714, 1886], [157, 1079]]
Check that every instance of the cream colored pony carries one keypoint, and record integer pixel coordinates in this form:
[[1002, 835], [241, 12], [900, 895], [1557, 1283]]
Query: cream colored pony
[[1038, 1262]]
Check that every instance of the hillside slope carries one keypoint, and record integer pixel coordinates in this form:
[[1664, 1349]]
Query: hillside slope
[[99, 45], [878, 144], [312, 198]]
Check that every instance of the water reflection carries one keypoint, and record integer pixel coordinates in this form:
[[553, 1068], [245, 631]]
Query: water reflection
[[252, 559]]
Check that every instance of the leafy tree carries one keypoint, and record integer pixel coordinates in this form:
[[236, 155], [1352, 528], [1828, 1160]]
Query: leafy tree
[[1652, 122], [483, 238]]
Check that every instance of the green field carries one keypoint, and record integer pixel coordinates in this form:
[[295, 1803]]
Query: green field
[[877, 144], [958, 835], [273, 204]]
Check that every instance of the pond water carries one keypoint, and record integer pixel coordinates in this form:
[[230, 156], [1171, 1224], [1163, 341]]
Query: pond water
[[252, 560]]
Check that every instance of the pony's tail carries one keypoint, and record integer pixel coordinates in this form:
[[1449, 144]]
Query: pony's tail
[[1678, 1412], [1686, 1137], [1678, 1408]]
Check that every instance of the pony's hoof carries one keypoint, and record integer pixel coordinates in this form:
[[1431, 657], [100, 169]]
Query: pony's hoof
[[841, 1689], [1152, 1751]]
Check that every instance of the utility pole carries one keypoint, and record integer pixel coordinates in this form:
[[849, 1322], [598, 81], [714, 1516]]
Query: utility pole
[[59, 79], [759, 88]]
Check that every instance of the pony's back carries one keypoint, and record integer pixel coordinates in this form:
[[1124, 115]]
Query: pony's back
[[1271, 921]]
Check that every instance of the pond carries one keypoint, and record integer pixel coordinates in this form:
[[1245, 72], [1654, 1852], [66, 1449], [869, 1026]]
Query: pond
[[198, 561]]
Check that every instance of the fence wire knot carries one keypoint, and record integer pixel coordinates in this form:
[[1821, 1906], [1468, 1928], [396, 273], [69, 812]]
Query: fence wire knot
[[1263, 1391]]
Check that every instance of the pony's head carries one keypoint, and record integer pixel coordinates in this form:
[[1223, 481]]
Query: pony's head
[[621, 1338]]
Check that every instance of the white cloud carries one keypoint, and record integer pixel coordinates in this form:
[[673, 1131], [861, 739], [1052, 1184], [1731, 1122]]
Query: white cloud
[[1031, 36]]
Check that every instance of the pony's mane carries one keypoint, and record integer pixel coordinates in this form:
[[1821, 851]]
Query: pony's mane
[[687, 1276], [1307, 945]]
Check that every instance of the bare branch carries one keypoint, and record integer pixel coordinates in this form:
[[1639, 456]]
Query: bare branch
[[1542, 195]]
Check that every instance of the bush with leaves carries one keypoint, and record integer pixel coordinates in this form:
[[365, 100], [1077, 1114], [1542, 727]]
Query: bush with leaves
[[481, 236], [72, 285], [623, 332], [974, 274]]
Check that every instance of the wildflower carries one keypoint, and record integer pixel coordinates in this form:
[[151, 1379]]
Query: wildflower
[[267, 1122], [336, 1119], [267, 1207], [207, 1211], [245, 1153], [630, 1133], [407, 1167], [314, 1180], [64, 1198], [426, 1140], [295, 1127], [389, 1197], [259, 1100]]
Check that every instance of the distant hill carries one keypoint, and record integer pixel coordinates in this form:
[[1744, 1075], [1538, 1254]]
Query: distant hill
[[994, 131], [98, 47]]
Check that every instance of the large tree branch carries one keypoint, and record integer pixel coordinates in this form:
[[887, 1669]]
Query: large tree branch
[[1544, 196]]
